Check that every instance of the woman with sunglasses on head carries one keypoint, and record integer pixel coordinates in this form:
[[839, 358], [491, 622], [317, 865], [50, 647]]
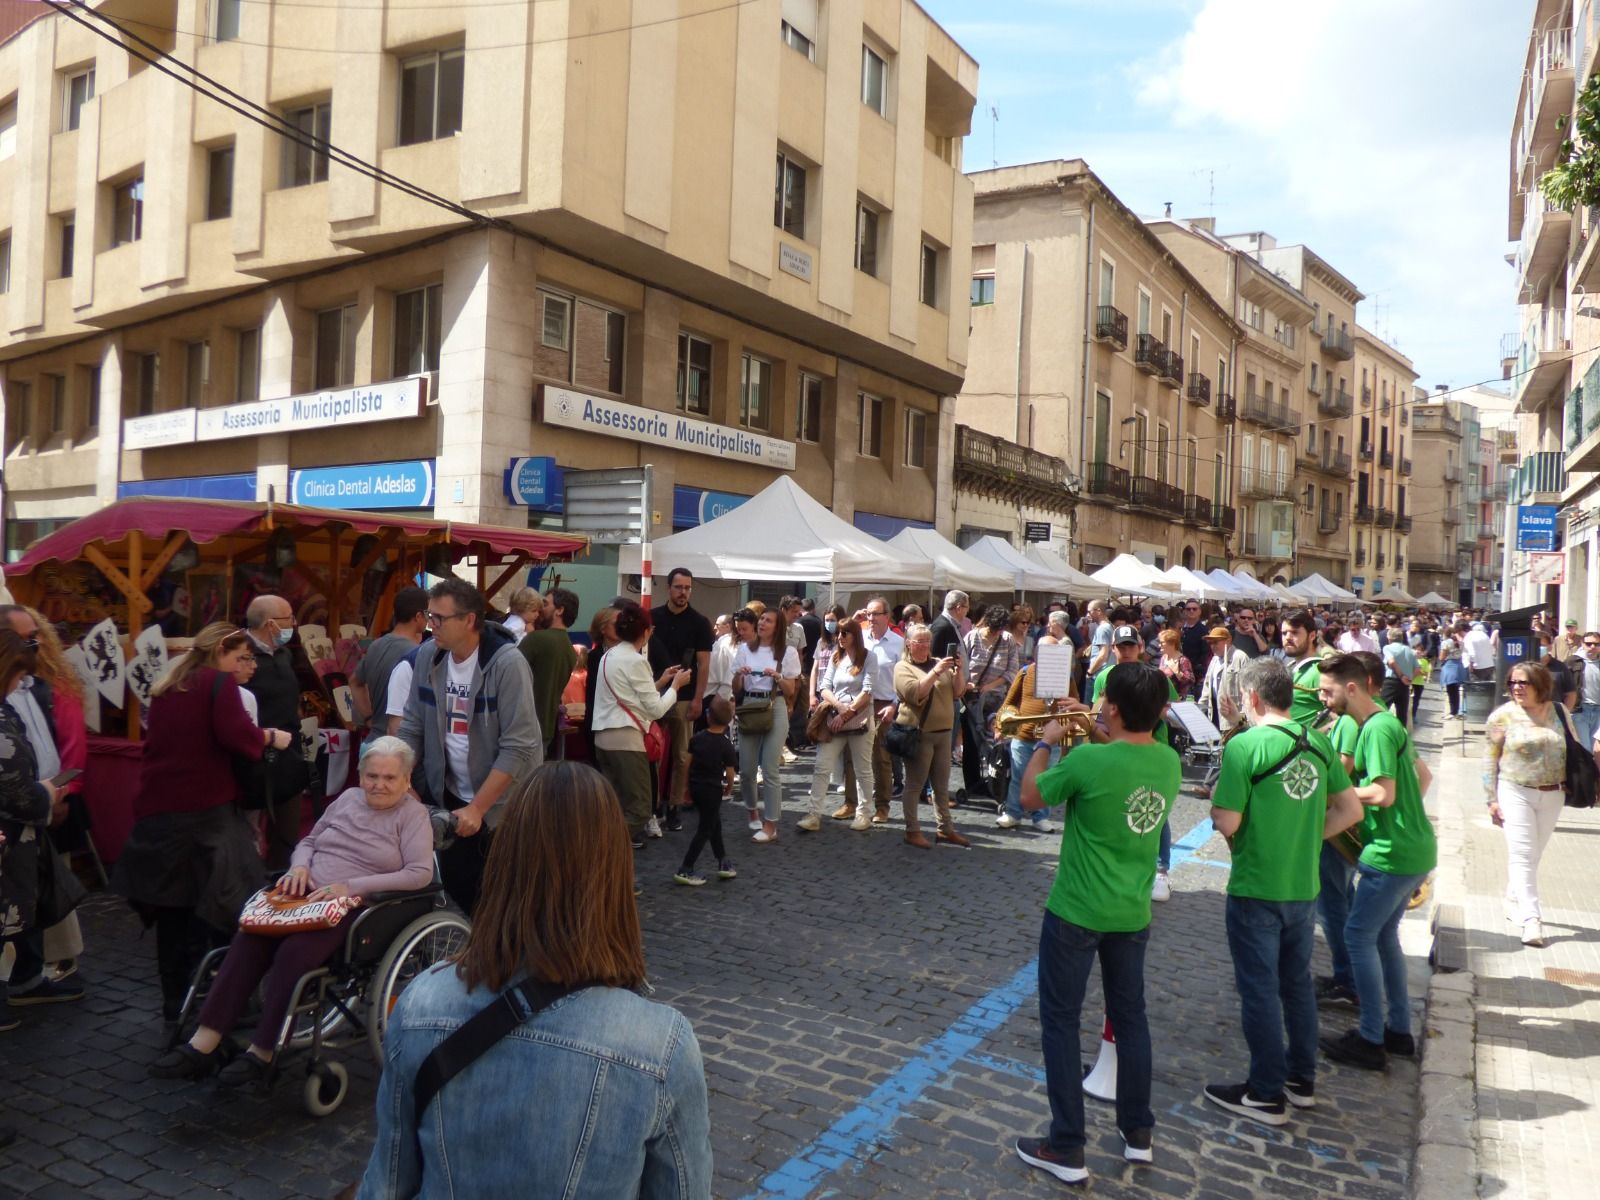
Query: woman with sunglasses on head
[[191, 860], [847, 692], [1524, 778], [766, 670]]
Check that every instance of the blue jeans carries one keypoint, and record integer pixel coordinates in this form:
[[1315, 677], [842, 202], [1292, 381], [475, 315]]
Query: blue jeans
[[1164, 851], [1372, 936], [1271, 945], [1585, 720], [1333, 907], [1066, 956], [1021, 754]]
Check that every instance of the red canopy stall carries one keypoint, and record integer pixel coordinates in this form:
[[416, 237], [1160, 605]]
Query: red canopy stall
[[181, 564]]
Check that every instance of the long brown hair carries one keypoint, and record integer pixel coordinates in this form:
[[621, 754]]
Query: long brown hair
[[53, 666], [557, 895], [15, 659], [210, 644], [857, 649], [780, 632]]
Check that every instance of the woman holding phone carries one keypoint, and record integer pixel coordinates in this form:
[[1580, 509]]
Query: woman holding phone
[[927, 701], [765, 669]]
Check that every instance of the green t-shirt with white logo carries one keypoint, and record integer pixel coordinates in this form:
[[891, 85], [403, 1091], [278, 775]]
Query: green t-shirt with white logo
[[1160, 731], [1397, 840], [1278, 847], [1307, 703], [1344, 734], [1116, 798]]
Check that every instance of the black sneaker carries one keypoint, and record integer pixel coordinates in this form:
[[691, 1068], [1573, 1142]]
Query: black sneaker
[[246, 1069], [1065, 1165], [1136, 1145], [1353, 1050], [1237, 1098], [47, 991], [673, 824], [1331, 994], [726, 870], [1402, 1045], [1302, 1093], [638, 842], [187, 1063]]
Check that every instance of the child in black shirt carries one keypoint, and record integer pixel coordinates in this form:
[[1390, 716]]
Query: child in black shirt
[[712, 761]]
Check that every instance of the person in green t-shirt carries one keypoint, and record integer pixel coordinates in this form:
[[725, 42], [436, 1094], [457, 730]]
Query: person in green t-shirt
[[1114, 799], [1398, 851], [1305, 667], [551, 658], [1280, 793], [1128, 647]]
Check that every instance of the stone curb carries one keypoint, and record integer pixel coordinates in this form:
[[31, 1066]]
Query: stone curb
[[1446, 1163]]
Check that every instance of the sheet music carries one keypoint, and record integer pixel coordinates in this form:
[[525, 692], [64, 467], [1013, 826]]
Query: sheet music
[[1052, 674], [1194, 721]]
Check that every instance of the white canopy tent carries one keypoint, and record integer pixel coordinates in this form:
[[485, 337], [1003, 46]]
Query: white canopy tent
[[1220, 578], [1433, 600], [1197, 586], [1079, 586], [782, 533], [1127, 576], [1323, 591], [1394, 595], [1252, 585], [1289, 594], [1026, 574], [953, 567]]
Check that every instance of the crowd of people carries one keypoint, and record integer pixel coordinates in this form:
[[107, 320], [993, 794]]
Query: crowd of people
[[1319, 794]]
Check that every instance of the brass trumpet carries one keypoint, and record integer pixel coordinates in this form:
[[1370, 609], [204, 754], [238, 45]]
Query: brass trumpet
[[1078, 724]]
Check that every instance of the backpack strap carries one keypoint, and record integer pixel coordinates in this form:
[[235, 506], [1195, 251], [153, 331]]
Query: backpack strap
[[1302, 745], [477, 1036]]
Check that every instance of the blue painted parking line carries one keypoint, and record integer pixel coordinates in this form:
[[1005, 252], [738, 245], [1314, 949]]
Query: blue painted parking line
[[1008, 1066], [856, 1134]]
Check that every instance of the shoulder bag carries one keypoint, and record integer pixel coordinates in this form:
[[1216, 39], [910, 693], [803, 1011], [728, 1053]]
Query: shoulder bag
[[903, 741], [1582, 776], [271, 913], [655, 736], [754, 713]]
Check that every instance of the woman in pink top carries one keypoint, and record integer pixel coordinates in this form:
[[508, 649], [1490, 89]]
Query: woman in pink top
[[374, 838]]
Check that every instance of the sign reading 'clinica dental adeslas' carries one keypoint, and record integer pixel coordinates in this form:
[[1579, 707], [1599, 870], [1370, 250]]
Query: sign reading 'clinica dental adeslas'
[[670, 431], [387, 401]]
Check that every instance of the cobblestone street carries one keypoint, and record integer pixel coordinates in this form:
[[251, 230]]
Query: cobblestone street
[[869, 1021]]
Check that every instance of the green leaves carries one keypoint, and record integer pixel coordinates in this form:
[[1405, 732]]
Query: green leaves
[[1574, 182]]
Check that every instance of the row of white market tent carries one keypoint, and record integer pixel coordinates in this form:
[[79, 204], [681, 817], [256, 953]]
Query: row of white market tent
[[782, 533]]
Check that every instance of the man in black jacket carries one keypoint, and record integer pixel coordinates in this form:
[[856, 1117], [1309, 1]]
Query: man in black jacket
[[281, 783]]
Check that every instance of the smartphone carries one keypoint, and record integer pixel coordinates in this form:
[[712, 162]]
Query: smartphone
[[66, 777], [687, 662]]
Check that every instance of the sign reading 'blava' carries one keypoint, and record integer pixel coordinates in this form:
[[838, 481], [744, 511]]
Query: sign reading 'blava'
[[387, 401], [670, 431]]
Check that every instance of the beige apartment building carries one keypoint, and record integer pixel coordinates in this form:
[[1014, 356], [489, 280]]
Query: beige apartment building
[[722, 243], [1268, 398], [1074, 296], [1382, 515]]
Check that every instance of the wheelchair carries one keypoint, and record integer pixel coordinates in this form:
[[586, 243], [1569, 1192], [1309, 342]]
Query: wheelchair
[[348, 1000]]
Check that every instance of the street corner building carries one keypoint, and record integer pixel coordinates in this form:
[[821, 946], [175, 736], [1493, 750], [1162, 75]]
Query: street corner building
[[467, 248]]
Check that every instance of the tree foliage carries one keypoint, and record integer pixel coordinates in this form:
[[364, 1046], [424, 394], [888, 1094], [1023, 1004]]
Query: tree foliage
[[1574, 182]]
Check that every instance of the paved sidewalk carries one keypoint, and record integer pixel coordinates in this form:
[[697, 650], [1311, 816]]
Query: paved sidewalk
[[1537, 1011]]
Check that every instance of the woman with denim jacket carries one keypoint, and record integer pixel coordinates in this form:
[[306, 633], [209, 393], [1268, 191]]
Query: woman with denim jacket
[[600, 1094]]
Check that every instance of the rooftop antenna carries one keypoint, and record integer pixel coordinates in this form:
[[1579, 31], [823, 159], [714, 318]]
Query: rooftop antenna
[[994, 135], [1169, 209]]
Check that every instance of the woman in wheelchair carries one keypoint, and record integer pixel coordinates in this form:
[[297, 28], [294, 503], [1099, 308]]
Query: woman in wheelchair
[[373, 838]]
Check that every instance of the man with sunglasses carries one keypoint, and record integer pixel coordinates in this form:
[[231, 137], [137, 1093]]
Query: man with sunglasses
[[1584, 667], [472, 723], [1192, 638], [1246, 637]]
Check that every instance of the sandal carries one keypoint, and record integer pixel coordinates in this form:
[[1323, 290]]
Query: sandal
[[763, 836], [187, 1063]]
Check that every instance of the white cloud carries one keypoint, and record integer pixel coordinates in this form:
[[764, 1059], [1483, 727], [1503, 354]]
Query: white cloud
[[1377, 133]]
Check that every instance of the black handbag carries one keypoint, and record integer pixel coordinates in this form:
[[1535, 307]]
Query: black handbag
[[60, 889], [1583, 778], [903, 741]]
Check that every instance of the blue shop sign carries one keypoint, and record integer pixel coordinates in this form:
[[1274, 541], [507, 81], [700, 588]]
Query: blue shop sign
[[1536, 526], [536, 482], [197, 487], [693, 506], [365, 485], [880, 526]]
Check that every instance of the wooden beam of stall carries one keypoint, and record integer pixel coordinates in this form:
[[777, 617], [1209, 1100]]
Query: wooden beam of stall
[[518, 563], [135, 624], [336, 593], [159, 563], [137, 600], [385, 544]]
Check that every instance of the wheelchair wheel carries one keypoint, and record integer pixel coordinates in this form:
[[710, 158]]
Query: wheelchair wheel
[[427, 940], [325, 1088]]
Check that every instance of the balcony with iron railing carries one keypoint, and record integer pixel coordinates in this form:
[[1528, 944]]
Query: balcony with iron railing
[[1546, 233], [1149, 354], [1336, 404], [1405, 466], [1315, 386], [1156, 495], [1265, 485], [1225, 409], [1366, 395], [1405, 414], [1384, 518], [1364, 513], [1337, 343], [1402, 522], [1449, 517], [1386, 458], [1539, 374], [1450, 473], [1542, 473], [1360, 556], [1259, 408], [1199, 389], [1111, 327], [1379, 559], [1336, 462], [1171, 372], [1108, 481], [1485, 531], [1547, 97], [1399, 561], [1223, 517], [1583, 422], [1197, 510], [1365, 451]]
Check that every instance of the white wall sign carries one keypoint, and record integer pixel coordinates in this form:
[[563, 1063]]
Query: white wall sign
[[794, 262], [159, 429], [387, 401], [670, 431]]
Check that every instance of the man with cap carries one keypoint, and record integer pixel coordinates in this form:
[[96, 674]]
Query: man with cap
[[1568, 642], [1219, 691]]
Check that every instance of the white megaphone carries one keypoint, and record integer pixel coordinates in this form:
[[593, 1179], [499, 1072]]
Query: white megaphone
[[1101, 1081]]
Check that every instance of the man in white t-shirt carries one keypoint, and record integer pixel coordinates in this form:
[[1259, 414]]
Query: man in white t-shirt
[[471, 720], [884, 648], [1478, 649]]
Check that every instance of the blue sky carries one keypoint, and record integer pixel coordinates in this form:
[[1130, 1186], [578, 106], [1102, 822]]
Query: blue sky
[[1371, 130]]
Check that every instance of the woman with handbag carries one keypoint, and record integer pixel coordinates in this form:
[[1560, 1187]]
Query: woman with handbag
[[1525, 776], [581, 1088], [372, 838], [1453, 666], [628, 701], [922, 732], [191, 860], [846, 699], [766, 678]]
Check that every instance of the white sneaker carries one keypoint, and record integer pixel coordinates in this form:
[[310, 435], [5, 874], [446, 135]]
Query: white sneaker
[[653, 829], [1044, 826], [1006, 821], [1532, 933], [862, 821], [788, 757], [810, 823], [755, 824], [1161, 890]]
